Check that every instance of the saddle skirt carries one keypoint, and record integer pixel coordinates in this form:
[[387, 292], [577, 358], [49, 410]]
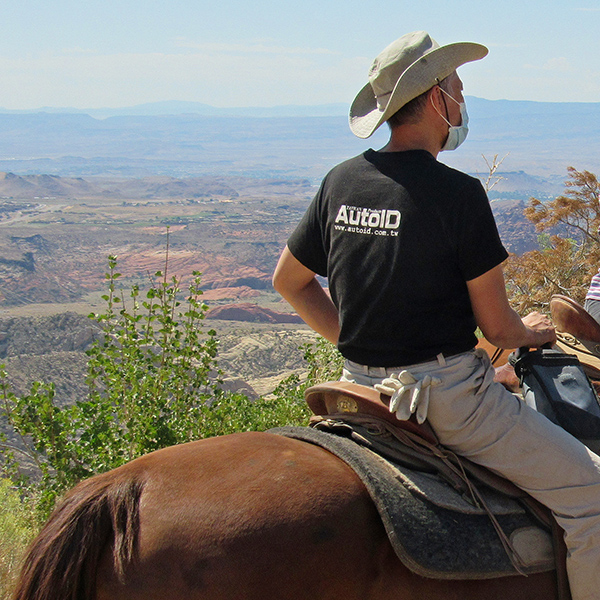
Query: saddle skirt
[[439, 528]]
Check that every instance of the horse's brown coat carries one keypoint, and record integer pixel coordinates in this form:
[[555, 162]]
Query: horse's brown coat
[[235, 517], [250, 516]]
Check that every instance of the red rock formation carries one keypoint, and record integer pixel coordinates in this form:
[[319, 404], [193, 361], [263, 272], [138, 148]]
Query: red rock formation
[[251, 313]]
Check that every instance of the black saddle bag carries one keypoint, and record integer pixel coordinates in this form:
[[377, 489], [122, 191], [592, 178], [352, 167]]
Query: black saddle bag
[[555, 385]]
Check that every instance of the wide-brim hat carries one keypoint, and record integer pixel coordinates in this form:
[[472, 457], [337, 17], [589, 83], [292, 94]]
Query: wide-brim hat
[[407, 68]]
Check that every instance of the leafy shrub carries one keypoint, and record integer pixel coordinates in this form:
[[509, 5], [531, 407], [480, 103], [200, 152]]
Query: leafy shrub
[[153, 382], [16, 531], [324, 362]]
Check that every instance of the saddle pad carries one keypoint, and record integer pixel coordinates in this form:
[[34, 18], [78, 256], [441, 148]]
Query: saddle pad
[[434, 531]]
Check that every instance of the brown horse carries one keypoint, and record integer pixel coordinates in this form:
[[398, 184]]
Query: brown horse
[[248, 516]]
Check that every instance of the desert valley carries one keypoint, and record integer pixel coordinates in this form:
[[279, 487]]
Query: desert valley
[[227, 189]]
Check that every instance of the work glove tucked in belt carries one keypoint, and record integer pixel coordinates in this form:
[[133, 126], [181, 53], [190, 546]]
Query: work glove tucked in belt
[[408, 394]]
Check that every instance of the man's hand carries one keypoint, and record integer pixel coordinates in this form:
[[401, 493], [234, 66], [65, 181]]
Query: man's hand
[[542, 328]]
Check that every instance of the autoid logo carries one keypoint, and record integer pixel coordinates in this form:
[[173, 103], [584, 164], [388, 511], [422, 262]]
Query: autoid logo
[[368, 221]]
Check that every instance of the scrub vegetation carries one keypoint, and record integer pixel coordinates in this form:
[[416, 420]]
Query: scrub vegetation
[[17, 528], [562, 264]]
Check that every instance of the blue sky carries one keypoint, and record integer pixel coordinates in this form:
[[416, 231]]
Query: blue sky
[[111, 53]]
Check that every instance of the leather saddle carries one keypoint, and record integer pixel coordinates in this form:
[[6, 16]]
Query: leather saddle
[[344, 400], [577, 333], [345, 404], [570, 317]]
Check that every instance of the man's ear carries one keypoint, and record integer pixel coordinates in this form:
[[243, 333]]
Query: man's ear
[[435, 98]]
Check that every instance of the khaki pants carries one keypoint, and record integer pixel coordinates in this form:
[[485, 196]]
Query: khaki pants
[[479, 419]]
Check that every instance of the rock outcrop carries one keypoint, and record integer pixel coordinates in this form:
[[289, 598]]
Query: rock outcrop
[[251, 313]]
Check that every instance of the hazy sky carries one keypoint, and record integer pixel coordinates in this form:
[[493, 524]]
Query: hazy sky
[[227, 53]]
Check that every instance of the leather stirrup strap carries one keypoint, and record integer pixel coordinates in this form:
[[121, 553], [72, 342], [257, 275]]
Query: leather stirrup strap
[[449, 465], [560, 558]]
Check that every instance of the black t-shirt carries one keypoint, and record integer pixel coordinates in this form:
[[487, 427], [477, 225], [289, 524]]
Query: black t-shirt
[[398, 235]]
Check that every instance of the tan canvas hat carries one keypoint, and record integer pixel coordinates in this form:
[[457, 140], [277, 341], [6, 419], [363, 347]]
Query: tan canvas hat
[[404, 70]]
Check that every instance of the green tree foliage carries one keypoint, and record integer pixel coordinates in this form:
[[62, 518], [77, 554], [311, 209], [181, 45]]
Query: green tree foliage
[[561, 265], [152, 374], [153, 382], [324, 362]]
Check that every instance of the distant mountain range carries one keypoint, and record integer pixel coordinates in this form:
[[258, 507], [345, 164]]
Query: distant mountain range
[[177, 107], [188, 139], [511, 186], [491, 108], [31, 187]]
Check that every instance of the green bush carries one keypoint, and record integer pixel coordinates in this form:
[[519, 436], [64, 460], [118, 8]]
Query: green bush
[[324, 363], [16, 531], [153, 382], [150, 376]]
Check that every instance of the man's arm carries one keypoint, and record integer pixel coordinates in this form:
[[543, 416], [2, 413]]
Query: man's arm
[[499, 323], [298, 286]]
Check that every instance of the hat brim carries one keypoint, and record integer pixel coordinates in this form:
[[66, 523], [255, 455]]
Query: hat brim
[[365, 116]]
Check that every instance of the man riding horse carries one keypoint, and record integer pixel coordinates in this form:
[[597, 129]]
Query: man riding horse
[[414, 264]]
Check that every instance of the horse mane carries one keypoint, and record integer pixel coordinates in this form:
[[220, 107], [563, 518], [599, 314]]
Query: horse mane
[[62, 562]]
